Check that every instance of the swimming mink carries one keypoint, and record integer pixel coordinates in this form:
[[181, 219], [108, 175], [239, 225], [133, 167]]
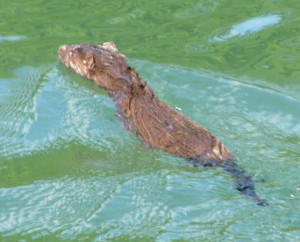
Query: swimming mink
[[156, 123]]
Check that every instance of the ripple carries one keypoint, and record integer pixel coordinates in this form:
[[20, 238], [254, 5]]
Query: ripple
[[198, 9], [69, 207], [134, 193], [52, 206], [250, 26], [46, 109]]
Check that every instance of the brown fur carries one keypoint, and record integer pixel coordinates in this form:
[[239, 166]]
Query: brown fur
[[156, 123]]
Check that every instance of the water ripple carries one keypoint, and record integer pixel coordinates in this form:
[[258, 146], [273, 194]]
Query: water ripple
[[71, 207], [46, 107], [132, 193]]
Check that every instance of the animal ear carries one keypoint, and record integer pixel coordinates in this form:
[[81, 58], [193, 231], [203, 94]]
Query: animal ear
[[111, 46], [89, 61]]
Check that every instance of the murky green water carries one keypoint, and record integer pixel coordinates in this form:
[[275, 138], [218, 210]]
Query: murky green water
[[68, 170]]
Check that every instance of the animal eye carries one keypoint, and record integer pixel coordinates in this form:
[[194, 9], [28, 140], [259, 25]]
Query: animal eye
[[72, 54]]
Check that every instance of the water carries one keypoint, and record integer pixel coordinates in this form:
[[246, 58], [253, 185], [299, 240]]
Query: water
[[68, 170]]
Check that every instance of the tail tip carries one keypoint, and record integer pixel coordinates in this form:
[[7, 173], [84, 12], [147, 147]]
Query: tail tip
[[262, 202]]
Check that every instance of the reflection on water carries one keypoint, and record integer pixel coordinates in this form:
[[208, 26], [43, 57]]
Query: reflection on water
[[250, 26]]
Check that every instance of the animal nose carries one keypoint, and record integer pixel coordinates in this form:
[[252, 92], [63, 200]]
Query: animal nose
[[62, 52], [62, 48]]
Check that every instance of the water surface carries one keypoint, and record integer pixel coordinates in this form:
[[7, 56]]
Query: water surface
[[68, 170]]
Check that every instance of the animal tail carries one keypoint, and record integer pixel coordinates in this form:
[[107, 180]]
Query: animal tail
[[242, 182]]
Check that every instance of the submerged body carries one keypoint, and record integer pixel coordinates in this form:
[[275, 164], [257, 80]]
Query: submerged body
[[156, 123]]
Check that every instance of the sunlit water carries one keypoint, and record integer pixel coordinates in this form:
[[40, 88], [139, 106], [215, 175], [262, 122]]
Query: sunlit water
[[68, 170]]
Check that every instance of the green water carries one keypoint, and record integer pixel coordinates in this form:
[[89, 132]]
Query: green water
[[68, 170]]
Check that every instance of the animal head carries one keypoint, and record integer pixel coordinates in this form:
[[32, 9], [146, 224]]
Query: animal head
[[104, 65], [85, 58]]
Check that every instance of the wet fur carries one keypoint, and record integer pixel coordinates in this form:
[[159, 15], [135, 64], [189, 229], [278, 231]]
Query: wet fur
[[156, 123]]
